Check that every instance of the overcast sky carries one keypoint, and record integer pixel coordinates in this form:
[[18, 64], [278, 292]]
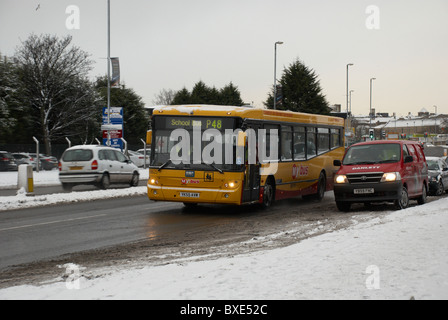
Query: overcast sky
[[172, 44]]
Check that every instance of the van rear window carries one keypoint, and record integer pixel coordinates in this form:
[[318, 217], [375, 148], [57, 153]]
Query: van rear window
[[77, 155]]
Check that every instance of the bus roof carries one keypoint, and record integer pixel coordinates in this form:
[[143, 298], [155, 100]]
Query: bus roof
[[246, 112]]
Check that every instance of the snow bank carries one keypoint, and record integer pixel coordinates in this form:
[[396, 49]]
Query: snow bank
[[51, 178], [401, 256]]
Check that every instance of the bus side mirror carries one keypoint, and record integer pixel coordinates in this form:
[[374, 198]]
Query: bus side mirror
[[149, 137], [337, 163], [242, 136]]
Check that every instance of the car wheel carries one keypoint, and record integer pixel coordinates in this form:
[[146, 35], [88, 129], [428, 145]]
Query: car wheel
[[343, 206], [440, 189], [105, 181], [403, 202], [134, 180], [423, 198]]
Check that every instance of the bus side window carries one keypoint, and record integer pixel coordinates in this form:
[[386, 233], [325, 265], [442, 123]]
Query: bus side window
[[299, 143], [268, 128], [311, 143], [286, 141], [335, 138], [323, 140]]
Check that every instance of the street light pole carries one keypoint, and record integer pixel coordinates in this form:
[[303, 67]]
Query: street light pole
[[108, 70], [350, 94], [350, 64], [370, 114], [275, 73], [435, 120]]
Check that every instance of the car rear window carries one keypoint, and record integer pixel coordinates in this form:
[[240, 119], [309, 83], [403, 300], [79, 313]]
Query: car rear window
[[77, 155]]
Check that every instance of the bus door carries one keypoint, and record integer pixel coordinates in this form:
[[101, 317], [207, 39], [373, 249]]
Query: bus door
[[251, 191]]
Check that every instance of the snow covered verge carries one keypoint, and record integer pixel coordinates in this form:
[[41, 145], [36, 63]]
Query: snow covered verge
[[401, 255], [51, 178]]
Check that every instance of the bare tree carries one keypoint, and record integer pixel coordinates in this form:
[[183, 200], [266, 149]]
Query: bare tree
[[55, 84], [164, 97]]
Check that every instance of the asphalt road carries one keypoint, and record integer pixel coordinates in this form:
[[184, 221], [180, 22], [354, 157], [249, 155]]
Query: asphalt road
[[40, 233]]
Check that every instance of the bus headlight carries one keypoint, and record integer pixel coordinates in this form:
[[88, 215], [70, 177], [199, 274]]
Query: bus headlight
[[152, 181], [231, 184], [340, 178], [391, 176]]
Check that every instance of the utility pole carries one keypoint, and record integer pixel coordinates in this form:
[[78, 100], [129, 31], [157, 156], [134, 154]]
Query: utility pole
[[108, 70]]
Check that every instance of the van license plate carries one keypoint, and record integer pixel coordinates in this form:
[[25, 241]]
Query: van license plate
[[189, 195], [364, 191], [76, 168]]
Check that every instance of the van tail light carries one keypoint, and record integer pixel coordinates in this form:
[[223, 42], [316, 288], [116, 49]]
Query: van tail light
[[60, 166], [94, 165]]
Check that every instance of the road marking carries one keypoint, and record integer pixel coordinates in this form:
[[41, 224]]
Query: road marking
[[52, 222]]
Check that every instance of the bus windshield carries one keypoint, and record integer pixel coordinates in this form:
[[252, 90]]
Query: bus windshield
[[206, 129], [373, 154]]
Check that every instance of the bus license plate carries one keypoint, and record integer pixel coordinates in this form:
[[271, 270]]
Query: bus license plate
[[189, 195], [364, 191]]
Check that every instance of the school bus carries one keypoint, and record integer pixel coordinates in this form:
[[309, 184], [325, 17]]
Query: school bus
[[240, 155]]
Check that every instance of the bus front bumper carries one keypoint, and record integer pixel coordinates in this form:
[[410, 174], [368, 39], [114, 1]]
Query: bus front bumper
[[194, 195]]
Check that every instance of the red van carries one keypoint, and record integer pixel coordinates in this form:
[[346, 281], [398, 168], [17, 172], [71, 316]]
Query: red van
[[381, 171]]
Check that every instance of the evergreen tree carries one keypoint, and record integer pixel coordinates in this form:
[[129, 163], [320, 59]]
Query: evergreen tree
[[202, 94], [301, 91], [231, 96], [182, 97]]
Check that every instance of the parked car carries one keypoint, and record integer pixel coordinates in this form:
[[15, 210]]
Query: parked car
[[45, 162], [438, 175], [381, 171], [96, 165], [138, 158], [22, 158], [7, 161]]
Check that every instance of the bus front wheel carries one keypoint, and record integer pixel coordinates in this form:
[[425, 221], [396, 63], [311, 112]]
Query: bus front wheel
[[268, 194]]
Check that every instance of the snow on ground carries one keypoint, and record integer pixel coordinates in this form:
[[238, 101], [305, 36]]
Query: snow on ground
[[402, 255], [8, 180]]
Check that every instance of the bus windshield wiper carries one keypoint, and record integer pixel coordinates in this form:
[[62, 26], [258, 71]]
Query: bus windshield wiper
[[165, 164], [214, 167]]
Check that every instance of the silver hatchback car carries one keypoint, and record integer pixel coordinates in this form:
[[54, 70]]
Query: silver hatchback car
[[96, 165]]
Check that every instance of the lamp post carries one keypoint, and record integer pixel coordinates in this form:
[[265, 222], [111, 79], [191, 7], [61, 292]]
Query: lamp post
[[275, 73], [350, 94], [108, 70], [348, 65], [435, 120], [370, 114]]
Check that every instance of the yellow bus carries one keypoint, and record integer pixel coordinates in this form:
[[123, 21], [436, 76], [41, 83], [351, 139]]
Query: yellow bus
[[216, 161]]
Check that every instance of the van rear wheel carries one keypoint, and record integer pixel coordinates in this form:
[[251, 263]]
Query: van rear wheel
[[423, 198]]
